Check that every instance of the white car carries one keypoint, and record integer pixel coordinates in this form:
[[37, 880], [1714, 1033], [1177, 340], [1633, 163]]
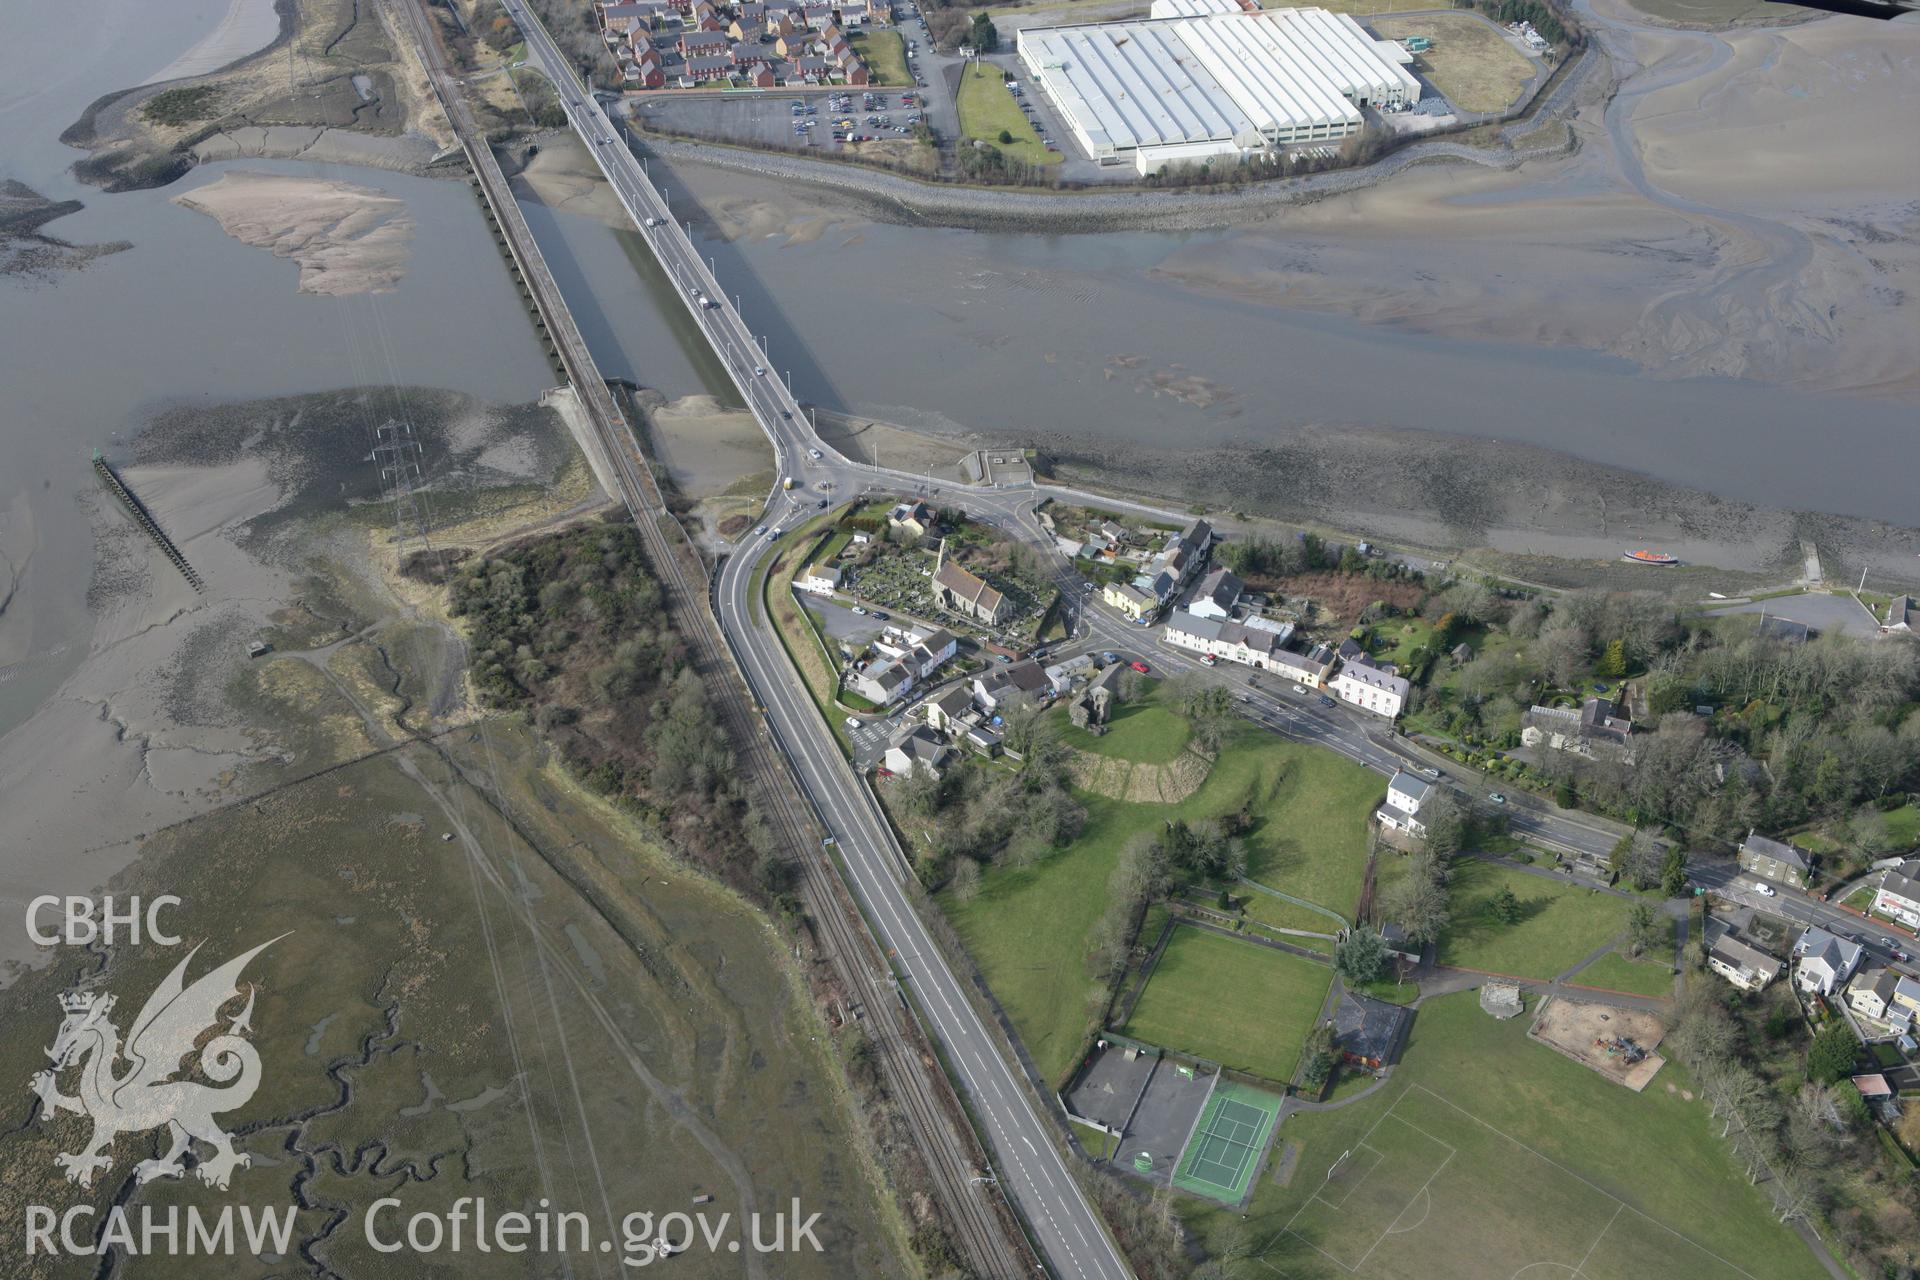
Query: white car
[[852, 723], [1764, 890], [814, 454], [861, 610], [758, 372]]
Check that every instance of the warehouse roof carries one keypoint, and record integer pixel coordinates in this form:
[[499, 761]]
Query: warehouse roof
[[1214, 77]]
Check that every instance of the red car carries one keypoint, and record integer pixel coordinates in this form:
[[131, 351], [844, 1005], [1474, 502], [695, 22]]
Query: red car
[[1141, 667]]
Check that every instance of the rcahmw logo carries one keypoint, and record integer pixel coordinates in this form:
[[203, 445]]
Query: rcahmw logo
[[146, 1095]]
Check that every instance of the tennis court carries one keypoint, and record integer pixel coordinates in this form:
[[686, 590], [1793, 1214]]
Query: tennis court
[[1227, 1144]]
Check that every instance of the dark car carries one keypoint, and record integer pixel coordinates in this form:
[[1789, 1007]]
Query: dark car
[[1325, 701]]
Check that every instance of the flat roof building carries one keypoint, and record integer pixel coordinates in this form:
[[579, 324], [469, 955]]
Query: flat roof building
[[1213, 84]]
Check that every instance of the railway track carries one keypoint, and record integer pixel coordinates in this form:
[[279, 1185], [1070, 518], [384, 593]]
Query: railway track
[[983, 1226]]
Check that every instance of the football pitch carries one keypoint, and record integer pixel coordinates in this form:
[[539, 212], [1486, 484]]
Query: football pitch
[[1431, 1190]]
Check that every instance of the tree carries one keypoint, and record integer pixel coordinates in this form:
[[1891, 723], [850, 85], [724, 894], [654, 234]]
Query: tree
[[1006, 137], [1505, 905], [1419, 904], [1316, 1057], [966, 880], [1361, 956], [1833, 1053], [1613, 661], [1673, 877], [1446, 823], [984, 37], [1645, 928]]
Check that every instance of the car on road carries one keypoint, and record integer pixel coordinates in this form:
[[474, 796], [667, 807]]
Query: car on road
[[1427, 770], [1494, 797], [1139, 666], [761, 532], [879, 615], [1885, 941], [1109, 657], [1901, 956], [1763, 889], [814, 454], [653, 222], [822, 504], [1208, 660], [1086, 586], [1325, 701], [860, 609], [1300, 689], [759, 372]]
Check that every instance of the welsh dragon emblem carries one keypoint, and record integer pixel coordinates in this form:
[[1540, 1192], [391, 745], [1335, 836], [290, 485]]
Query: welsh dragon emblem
[[144, 1094]]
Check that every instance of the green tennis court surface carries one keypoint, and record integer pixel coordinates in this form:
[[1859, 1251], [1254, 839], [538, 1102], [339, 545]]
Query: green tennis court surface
[[1230, 1137]]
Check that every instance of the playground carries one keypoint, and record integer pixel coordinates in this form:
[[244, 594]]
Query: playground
[[1618, 1043]]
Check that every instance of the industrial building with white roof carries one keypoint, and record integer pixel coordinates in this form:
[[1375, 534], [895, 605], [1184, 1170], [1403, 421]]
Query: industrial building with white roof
[[1203, 79]]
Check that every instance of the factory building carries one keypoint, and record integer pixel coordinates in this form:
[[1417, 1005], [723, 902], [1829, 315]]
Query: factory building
[[1212, 80]]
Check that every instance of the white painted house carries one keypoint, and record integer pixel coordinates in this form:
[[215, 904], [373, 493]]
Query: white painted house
[[1406, 794], [1899, 893], [1371, 689], [1216, 595], [1234, 641], [820, 579], [1824, 962]]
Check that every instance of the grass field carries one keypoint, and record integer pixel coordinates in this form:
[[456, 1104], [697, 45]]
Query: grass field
[[988, 109], [1028, 929], [1615, 972], [1141, 731], [1237, 1003], [1559, 923], [885, 54], [1470, 62], [1490, 1156]]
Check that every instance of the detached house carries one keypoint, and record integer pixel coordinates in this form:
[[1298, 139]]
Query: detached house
[[1823, 962], [1406, 794], [1776, 860], [1899, 617], [1001, 687], [916, 518], [1371, 689], [916, 747], [1748, 968], [820, 579], [946, 711], [1899, 893]]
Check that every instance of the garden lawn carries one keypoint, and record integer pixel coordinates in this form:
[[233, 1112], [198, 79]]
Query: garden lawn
[[1615, 972], [988, 109], [1559, 925], [1229, 1001], [1396, 639], [1509, 1155], [1903, 827], [1029, 929]]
